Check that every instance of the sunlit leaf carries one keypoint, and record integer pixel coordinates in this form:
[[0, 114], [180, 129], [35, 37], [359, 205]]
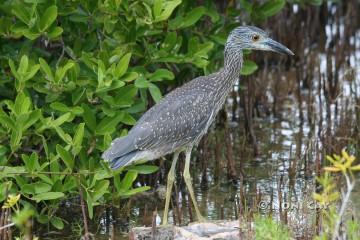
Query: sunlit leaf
[[48, 196], [57, 222], [249, 67], [155, 92], [122, 66], [47, 18], [65, 156], [167, 9]]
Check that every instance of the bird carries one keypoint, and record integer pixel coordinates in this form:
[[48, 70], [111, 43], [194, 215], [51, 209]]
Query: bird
[[178, 122]]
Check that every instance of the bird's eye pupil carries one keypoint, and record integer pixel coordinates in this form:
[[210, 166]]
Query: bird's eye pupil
[[255, 37]]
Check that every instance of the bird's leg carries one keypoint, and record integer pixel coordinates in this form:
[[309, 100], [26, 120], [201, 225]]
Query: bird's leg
[[169, 185], [188, 183]]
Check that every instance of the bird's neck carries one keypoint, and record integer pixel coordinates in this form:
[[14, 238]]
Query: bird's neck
[[233, 60]]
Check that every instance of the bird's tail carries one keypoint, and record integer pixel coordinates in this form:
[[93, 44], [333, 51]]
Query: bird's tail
[[120, 153], [123, 160]]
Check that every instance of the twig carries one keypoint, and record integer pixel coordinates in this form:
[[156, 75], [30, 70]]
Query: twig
[[7, 226], [83, 210], [346, 198], [153, 225]]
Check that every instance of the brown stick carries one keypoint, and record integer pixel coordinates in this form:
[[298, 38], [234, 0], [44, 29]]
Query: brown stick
[[83, 210], [153, 225]]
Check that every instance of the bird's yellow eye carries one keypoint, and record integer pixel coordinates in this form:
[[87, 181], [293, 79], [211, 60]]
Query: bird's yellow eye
[[255, 37]]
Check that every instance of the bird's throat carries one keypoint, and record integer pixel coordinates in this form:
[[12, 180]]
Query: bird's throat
[[233, 61]]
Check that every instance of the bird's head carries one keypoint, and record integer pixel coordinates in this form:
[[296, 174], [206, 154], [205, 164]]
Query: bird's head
[[253, 38]]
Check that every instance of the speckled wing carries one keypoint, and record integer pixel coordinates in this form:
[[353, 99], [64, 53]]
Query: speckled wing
[[178, 120]]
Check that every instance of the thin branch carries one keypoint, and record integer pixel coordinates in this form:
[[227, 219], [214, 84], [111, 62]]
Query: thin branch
[[346, 198], [7, 226]]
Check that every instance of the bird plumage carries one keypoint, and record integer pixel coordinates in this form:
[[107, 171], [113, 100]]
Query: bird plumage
[[178, 120], [184, 115]]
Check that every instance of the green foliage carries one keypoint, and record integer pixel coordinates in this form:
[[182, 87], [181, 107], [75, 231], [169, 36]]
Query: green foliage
[[267, 228], [260, 11], [76, 74], [332, 206]]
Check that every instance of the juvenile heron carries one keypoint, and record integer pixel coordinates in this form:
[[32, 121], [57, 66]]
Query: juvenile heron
[[183, 116]]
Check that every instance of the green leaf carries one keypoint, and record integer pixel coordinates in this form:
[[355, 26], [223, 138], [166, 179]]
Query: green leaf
[[32, 72], [22, 104], [115, 85], [59, 107], [31, 163], [168, 8], [41, 187], [70, 183], [28, 189], [7, 122], [90, 205], [117, 183], [249, 67], [48, 196], [46, 69], [64, 136], [61, 71], [128, 119], [272, 7], [55, 32], [128, 180], [134, 191], [65, 156], [15, 139], [89, 117], [100, 189], [125, 95], [21, 217], [144, 169], [108, 124], [13, 69], [157, 7], [60, 120], [21, 13], [48, 18], [245, 4], [23, 66], [33, 117], [141, 82], [155, 92], [31, 34], [129, 76], [161, 74], [57, 222], [78, 138], [122, 66], [189, 19]]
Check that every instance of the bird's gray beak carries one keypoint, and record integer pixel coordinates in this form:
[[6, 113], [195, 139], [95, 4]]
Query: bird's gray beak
[[277, 47]]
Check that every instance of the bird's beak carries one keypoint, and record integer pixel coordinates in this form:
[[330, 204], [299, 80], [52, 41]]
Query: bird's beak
[[277, 47]]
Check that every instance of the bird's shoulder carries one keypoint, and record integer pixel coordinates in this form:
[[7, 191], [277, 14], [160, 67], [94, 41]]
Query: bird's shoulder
[[191, 98]]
